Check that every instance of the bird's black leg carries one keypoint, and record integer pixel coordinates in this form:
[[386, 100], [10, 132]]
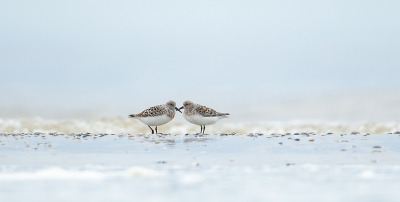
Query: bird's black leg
[[156, 129], [204, 129], [152, 131]]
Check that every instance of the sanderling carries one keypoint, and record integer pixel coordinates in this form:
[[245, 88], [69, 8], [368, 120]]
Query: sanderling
[[201, 115], [157, 115]]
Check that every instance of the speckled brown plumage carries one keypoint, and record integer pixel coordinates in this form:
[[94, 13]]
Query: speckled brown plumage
[[201, 115], [157, 115], [208, 112], [158, 111]]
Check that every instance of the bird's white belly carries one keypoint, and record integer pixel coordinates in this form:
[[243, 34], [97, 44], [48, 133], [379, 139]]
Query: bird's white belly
[[155, 121], [201, 120]]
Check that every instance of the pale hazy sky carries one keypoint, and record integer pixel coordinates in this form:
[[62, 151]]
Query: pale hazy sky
[[114, 57]]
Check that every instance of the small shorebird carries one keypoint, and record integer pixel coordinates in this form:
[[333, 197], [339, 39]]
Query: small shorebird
[[201, 115], [157, 115]]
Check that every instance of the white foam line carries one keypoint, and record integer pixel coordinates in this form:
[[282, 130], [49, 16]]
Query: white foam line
[[57, 173], [125, 125]]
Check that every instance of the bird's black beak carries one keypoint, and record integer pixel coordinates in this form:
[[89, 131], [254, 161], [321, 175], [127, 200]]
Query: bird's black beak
[[179, 110]]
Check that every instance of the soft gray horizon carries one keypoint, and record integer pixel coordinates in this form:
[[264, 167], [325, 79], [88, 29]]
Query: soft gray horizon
[[258, 60]]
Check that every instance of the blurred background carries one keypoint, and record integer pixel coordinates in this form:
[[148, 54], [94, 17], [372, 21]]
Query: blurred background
[[258, 60]]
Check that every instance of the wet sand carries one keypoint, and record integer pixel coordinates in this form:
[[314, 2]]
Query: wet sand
[[193, 167]]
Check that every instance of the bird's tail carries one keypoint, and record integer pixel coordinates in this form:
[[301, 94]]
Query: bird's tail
[[131, 116], [225, 115]]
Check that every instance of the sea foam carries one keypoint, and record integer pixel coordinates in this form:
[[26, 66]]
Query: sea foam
[[125, 125]]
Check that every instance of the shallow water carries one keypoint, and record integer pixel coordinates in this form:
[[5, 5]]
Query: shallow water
[[241, 167]]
